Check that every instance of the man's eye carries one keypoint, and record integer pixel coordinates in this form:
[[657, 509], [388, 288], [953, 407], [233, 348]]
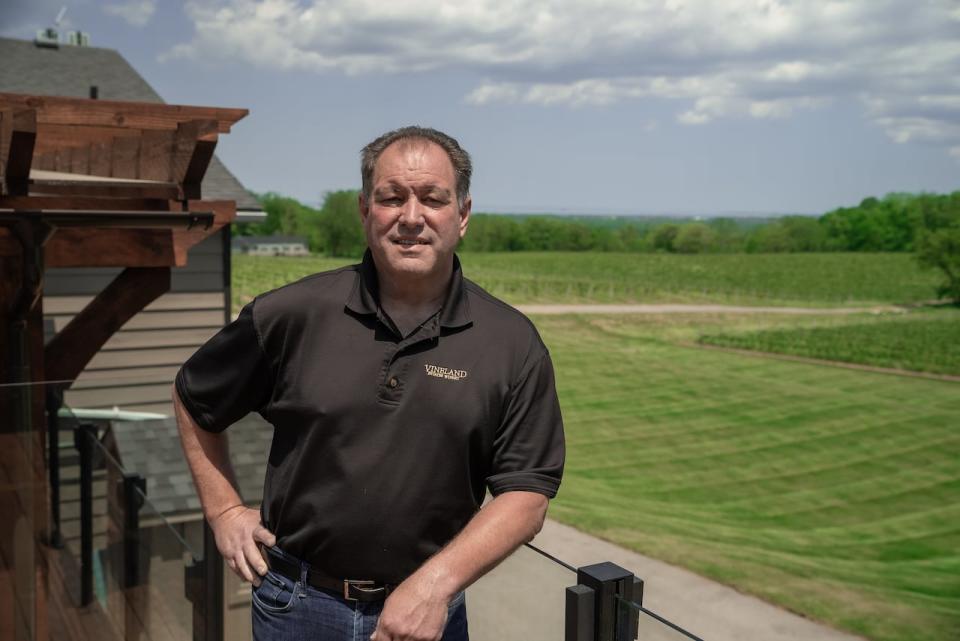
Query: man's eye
[[390, 201]]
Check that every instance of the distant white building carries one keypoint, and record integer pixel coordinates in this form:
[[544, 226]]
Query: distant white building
[[271, 245]]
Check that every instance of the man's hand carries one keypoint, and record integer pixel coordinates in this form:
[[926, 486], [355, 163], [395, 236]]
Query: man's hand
[[237, 531], [413, 612]]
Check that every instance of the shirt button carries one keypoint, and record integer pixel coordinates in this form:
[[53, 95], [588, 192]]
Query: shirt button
[[393, 382]]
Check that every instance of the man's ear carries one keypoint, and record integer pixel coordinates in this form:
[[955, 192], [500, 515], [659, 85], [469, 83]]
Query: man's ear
[[364, 207], [465, 216]]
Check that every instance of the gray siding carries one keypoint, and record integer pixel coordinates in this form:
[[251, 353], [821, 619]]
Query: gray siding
[[135, 369]]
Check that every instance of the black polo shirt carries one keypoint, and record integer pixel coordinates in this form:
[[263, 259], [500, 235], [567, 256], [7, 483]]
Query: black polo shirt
[[383, 445]]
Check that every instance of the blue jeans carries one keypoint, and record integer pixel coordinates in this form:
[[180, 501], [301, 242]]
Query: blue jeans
[[286, 610]]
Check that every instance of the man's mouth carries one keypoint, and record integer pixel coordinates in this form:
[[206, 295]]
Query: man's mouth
[[409, 242]]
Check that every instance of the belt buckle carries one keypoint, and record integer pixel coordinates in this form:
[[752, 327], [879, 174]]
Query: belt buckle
[[348, 583]]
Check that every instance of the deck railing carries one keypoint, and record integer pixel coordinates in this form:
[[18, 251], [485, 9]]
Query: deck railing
[[157, 575]]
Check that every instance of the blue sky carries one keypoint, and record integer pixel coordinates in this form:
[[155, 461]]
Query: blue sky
[[609, 106]]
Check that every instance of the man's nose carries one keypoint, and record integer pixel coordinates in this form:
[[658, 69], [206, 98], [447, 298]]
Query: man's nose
[[411, 214]]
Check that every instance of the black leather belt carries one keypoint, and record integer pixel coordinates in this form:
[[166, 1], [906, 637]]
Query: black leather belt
[[349, 589]]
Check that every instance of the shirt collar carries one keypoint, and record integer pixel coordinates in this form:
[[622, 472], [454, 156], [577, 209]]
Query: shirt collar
[[365, 296]]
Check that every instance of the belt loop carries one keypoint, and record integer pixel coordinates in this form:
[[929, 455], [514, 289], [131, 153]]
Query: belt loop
[[304, 570]]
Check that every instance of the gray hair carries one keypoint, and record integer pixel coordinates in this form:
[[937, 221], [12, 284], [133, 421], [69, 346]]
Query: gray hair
[[460, 159]]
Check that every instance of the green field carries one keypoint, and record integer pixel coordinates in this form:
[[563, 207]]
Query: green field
[[833, 492], [762, 279], [927, 342]]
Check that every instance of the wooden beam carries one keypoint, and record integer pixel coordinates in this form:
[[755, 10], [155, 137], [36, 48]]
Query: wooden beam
[[105, 189], [123, 161], [195, 144], [72, 348], [224, 212], [104, 247], [6, 130], [155, 160], [59, 136], [55, 110], [19, 149], [92, 203]]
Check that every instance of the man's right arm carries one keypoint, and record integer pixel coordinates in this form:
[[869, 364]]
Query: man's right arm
[[236, 527]]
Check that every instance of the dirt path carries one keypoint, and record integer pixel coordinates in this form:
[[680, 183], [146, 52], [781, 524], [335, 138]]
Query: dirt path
[[678, 308], [523, 598]]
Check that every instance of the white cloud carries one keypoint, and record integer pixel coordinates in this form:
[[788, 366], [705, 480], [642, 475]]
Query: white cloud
[[136, 12], [713, 58]]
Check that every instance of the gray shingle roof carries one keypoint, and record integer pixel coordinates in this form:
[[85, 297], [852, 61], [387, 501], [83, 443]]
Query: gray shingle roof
[[152, 449], [71, 71]]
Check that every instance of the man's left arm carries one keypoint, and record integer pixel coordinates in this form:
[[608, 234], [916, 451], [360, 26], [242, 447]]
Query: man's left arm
[[417, 609]]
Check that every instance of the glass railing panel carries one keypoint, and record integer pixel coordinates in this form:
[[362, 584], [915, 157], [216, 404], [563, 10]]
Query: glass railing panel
[[522, 599], [22, 503], [157, 593], [646, 625], [110, 558], [139, 550]]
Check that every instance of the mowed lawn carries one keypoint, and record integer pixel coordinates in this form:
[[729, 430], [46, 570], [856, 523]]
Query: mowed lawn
[[591, 277], [833, 492]]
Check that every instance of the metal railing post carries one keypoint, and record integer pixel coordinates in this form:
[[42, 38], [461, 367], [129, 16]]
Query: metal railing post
[[132, 502], [592, 610], [83, 437], [54, 402], [203, 584], [580, 614]]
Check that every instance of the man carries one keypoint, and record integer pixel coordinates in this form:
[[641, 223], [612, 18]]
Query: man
[[399, 393]]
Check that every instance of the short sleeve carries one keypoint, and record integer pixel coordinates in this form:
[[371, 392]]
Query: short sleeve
[[228, 377], [529, 446]]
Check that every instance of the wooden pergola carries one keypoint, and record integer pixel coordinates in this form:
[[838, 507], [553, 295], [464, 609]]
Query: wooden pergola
[[85, 183]]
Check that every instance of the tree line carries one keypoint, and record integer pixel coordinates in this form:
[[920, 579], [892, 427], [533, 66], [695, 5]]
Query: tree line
[[927, 224]]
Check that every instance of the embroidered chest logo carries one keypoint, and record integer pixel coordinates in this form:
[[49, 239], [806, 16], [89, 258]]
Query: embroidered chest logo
[[445, 372]]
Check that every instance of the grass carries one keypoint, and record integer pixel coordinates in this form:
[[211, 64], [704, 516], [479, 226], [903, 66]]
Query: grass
[[570, 277], [830, 491], [833, 492], [920, 342]]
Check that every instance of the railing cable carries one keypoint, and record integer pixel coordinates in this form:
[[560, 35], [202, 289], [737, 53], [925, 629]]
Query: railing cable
[[551, 557], [669, 624]]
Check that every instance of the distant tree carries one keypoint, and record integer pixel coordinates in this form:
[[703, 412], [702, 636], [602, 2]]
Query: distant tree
[[694, 238], [339, 224], [941, 249], [789, 234], [729, 236], [663, 236]]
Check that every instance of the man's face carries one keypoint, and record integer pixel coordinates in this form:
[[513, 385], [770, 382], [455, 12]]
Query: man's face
[[412, 220]]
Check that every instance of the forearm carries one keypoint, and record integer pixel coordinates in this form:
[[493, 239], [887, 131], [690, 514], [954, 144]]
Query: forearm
[[505, 523], [208, 456]]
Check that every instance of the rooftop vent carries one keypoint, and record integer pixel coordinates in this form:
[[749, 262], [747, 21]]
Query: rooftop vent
[[78, 39], [49, 38]]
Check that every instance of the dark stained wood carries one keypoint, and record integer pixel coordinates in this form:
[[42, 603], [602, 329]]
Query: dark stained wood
[[224, 212], [19, 156], [55, 110], [104, 189], [124, 161], [80, 160], [9, 247], [194, 147], [87, 203], [68, 621], [72, 348], [50, 136], [6, 128], [96, 247], [100, 156], [155, 161]]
